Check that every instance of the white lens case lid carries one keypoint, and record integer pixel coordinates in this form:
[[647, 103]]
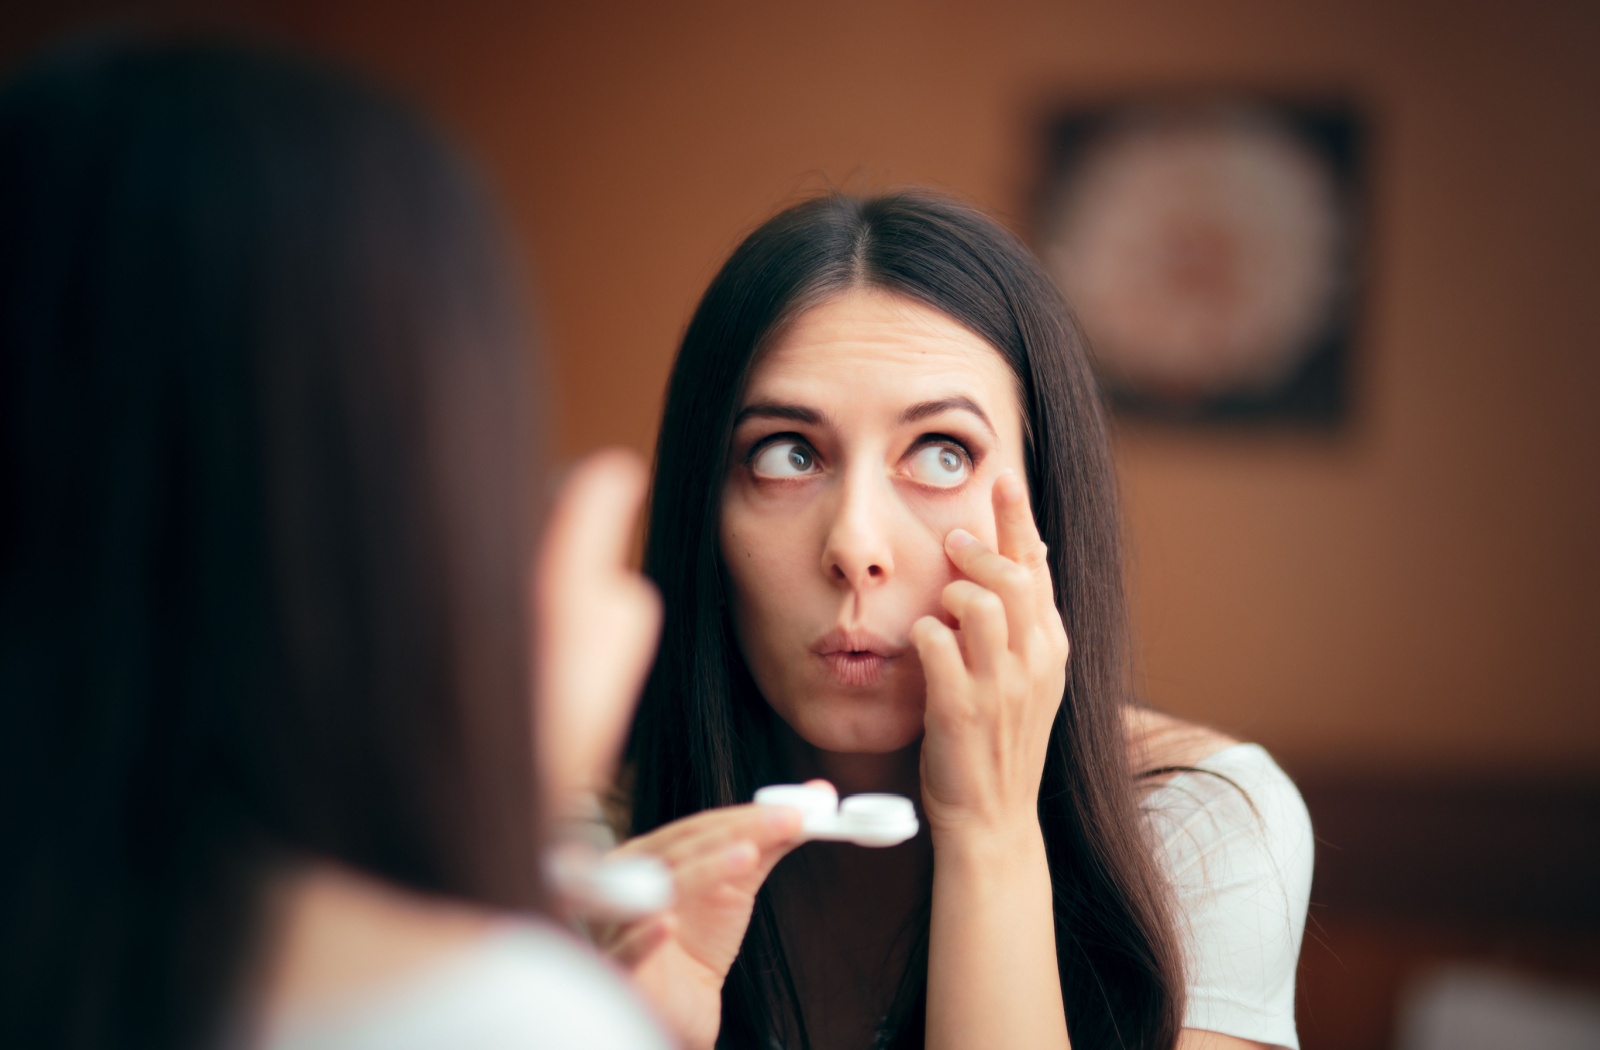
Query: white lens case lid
[[866, 820], [611, 888]]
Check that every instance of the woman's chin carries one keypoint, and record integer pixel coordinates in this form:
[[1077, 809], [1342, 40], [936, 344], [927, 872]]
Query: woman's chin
[[850, 726]]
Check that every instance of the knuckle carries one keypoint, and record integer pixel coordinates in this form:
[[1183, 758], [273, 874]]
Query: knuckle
[[957, 713], [1017, 577], [926, 632], [988, 603]]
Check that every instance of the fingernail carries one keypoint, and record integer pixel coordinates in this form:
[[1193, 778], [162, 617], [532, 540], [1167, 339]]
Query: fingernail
[[960, 538]]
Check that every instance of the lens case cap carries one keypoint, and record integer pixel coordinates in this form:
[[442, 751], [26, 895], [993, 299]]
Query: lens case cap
[[616, 888], [866, 820]]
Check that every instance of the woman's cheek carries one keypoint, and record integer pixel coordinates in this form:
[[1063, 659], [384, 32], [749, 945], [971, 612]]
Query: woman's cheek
[[925, 568], [970, 508], [758, 550]]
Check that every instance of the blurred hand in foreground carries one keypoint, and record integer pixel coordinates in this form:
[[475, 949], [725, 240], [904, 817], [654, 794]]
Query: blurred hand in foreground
[[596, 622]]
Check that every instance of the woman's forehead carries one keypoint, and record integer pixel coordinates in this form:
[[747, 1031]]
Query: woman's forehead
[[872, 345]]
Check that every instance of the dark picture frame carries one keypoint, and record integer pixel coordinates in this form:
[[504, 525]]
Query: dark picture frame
[[1315, 391]]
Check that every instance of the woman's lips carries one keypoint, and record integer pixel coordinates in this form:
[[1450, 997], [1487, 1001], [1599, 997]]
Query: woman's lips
[[857, 668], [856, 656]]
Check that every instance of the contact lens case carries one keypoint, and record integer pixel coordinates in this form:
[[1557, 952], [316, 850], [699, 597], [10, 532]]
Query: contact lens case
[[614, 889], [866, 820]]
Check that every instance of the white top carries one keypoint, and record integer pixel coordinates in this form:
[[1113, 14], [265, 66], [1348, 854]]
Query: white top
[[1239, 856], [522, 987]]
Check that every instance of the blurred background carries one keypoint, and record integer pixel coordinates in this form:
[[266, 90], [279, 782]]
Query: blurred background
[[1364, 519]]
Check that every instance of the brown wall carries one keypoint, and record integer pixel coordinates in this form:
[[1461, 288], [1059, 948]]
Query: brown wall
[[1419, 592]]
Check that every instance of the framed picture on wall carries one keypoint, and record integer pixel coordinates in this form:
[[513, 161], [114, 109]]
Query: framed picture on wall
[[1210, 247]]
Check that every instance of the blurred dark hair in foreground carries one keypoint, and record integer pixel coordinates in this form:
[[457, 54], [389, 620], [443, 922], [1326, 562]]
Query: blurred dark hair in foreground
[[262, 588]]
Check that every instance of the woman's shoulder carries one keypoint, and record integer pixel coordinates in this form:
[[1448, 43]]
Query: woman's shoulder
[[1236, 798], [1235, 841], [509, 983], [523, 985], [1160, 744], [1204, 788]]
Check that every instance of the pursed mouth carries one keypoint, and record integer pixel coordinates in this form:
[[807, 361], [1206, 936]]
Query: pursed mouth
[[857, 667], [856, 642]]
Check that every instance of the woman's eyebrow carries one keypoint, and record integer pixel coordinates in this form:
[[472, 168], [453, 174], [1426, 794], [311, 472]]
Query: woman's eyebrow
[[782, 410], [924, 409]]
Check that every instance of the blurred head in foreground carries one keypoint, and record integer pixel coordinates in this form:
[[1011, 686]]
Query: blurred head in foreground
[[263, 557]]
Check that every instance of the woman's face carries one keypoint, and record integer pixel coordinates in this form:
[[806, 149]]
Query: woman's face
[[870, 428]]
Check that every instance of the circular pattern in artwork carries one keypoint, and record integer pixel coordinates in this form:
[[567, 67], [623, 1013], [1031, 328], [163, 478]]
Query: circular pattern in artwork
[[1202, 249]]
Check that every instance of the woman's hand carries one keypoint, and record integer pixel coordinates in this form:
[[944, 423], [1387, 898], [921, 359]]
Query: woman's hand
[[995, 682], [680, 959], [597, 621]]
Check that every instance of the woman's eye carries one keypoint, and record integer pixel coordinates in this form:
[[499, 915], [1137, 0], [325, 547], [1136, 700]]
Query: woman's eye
[[945, 466], [784, 459]]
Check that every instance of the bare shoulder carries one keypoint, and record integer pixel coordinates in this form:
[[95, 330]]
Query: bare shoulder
[[1199, 1039], [336, 933], [1158, 741]]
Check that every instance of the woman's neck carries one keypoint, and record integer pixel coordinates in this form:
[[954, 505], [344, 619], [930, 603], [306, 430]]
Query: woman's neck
[[847, 912]]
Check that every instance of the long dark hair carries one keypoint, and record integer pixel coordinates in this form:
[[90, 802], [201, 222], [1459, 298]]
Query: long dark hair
[[263, 580], [699, 739]]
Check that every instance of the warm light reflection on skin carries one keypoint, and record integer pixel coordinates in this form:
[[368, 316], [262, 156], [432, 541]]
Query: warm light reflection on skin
[[836, 506]]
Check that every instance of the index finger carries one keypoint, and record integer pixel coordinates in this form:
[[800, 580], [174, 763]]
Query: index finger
[[1015, 529], [765, 826], [1018, 539]]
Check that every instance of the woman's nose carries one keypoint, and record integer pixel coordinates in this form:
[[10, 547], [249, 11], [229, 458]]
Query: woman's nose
[[858, 552]]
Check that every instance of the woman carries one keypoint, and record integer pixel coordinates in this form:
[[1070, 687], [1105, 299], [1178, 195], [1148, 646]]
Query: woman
[[886, 535], [263, 598]]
